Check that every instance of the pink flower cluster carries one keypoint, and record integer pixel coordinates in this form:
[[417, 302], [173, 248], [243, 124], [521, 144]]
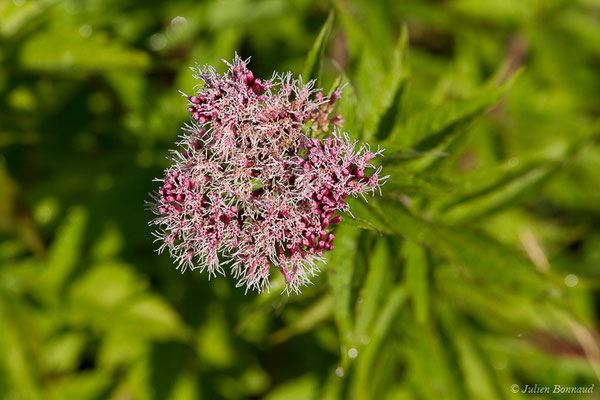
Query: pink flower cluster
[[256, 185]]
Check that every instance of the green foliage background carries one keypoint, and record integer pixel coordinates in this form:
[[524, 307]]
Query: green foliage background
[[477, 269]]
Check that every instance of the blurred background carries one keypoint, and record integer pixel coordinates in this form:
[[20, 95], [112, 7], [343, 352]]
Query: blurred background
[[477, 270]]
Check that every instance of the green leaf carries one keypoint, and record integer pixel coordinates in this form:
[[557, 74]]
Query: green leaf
[[312, 65], [340, 273], [479, 378], [109, 244], [374, 288], [93, 385], [402, 180], [303, 388], [494, 189], [480, 254], [119, 283], [213, 344], [417, 279], [21, 377], [366, 360], [386, 102], [361, 215], [497, 190], [152, 317], [65, 252], [123, 303], [62, 353], [431, 128], [347, 107], [434, 372], [15, 18]]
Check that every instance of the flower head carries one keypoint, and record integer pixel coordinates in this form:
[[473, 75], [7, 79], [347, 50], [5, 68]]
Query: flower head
[[256, 185]]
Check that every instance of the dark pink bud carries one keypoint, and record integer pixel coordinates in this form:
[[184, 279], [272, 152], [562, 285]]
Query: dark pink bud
[[256, 86], [335, 95], [336, 220], [249, 78]]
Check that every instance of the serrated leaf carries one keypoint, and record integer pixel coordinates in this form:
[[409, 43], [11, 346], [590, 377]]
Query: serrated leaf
[[371, 69], [312, 65], [362, 216], [430, 128], [386, 102], [480, 254], [402, 180], [497, 190], [373, 289]]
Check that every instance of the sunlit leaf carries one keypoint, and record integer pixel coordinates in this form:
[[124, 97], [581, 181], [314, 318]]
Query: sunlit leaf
[[386, 108], [374, 288], [340, 272], [314, 59], [430, 128], [417, 279], [383, 324], [65, 251]]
